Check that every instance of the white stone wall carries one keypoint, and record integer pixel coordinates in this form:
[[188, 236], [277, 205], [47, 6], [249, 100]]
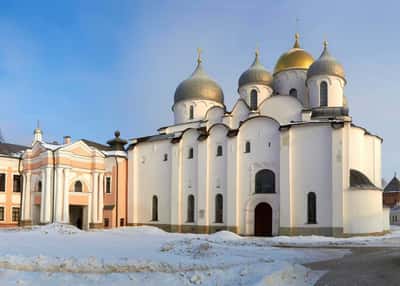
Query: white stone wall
[[200, 107], [335, 90], [286, 80]]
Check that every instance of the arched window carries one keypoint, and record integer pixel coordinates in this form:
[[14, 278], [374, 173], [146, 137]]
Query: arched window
[[154, 213], [219, 150], [191, 112], [39, 186], [190, 153], [190, 208], [219, 207], [165, 157], [323, 94], [265, 181], [253, 99], [78, 186], [311, 208], [247, 147], [293, 92]]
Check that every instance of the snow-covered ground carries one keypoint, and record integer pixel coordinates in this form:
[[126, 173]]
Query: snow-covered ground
[[64, 255]]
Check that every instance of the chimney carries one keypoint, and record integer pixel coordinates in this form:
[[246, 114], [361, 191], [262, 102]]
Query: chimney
[[67, 140]]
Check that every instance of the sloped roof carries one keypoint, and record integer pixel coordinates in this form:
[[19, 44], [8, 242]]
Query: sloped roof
[[96, 145], [393, 186], [360, 181], [11, 149]]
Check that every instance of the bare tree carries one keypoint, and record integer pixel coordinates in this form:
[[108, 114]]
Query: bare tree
[[1, 137]]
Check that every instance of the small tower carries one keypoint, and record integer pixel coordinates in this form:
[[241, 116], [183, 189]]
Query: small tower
[[117, 144], [255, 84], [326, 81], [37, 134]]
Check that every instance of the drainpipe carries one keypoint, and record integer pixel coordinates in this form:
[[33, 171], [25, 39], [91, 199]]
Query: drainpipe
[[54, 176], [21, 189]]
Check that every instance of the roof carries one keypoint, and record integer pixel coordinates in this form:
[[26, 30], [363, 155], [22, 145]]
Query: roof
[[11, 149], [360, 181], [96, 145], [256, 74], [393, 186]]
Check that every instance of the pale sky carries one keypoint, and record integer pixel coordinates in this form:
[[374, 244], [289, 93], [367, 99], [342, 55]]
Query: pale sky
[[87, 68]]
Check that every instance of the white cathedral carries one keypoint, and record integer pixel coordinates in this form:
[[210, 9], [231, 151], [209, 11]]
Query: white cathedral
[[287, 159]]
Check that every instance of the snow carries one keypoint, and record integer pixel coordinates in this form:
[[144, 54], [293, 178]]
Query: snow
[[60, 254]]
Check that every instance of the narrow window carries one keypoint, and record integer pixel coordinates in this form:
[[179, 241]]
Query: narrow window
[[17, 183], [190, 209], [253, 99], [2, 182], [106, 222], [219, 208], [312, 208], [154, 214], [190, 154], [121, 222], [323, 94], [165, 157], [191, 112], [108, 185], [293, 92], [247, 147], [39, 186], [219, 151], [78, 187], [15, 214], [1, 213]]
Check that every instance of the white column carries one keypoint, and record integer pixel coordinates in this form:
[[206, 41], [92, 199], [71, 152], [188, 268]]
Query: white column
[[101, 196], [58, 193], [23, 194], [26, 199], [48, 203], [66, 196], [95, 191], [43, 196]]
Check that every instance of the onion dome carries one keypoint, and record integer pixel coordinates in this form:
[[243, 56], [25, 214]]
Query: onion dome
[[326, 65], [295, 58], [117, 144], [255, 74], [199, 86]]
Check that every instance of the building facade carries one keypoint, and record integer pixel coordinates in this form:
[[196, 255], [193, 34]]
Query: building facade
[[287, 159]]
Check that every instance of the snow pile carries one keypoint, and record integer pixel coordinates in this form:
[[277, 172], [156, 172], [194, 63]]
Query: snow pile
[[57, 228], [224, 236]]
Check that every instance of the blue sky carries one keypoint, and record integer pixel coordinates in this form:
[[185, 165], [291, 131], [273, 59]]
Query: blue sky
[[86, 68]]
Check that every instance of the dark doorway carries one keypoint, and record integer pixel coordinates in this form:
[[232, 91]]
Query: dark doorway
[[263, 220], [76, 216]]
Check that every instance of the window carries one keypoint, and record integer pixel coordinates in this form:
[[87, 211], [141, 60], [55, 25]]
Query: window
[[121, 222], [154, 214], [1, 213], [165, 157], [219, 151], [2, 182], [39, 186], [190, 209], [106, 222], [15, 214], [219, 208], [190, 154], [323, 94], [293, 92], [311, 208], [247, 147], [78, 187], [253, 99], [265, 182], [17, 183], [191, 112], [108, 185]]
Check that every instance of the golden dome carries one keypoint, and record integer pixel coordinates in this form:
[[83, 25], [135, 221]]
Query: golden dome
[[295, 58]]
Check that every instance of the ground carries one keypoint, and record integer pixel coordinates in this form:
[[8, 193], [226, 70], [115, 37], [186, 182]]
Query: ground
[[63, 255]]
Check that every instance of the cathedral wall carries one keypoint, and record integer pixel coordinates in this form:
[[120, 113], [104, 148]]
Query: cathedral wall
[[264, 137], [286, 80], [335, 90], [200, 108], [239, 113], [311, 167], [152, 177], [284, 109]]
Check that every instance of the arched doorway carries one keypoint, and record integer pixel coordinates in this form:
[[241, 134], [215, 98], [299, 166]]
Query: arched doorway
[[263, 220]]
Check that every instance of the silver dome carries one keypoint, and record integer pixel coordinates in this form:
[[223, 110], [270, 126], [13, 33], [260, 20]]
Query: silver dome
[[199, 86], [256, 74], [326, 65]]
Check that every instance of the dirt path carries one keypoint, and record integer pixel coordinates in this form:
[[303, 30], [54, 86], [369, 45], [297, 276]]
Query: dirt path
[[365, 266]]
